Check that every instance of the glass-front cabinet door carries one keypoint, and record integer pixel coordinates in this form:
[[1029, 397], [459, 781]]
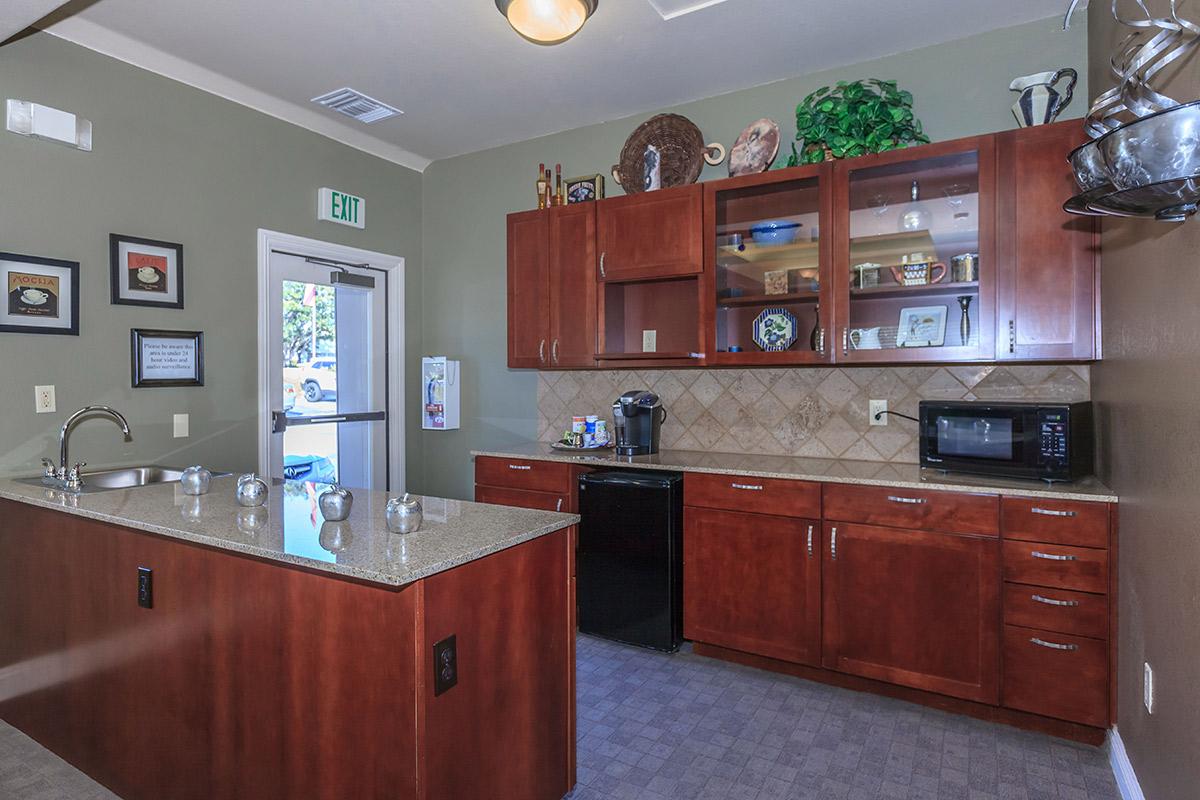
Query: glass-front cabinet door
[[914, 260], [768, 275]]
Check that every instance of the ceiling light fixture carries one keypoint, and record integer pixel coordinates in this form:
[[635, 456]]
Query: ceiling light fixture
[[547, 21]]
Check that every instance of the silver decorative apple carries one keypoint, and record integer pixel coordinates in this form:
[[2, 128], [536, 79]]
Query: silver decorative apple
[[251, 491], [195, 480], [335, 503], [404, 514]]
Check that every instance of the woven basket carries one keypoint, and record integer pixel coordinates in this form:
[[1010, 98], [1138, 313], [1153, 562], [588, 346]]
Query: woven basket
[[680, 146]]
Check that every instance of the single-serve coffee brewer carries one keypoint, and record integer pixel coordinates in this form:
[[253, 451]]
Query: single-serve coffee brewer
[[637, 420]]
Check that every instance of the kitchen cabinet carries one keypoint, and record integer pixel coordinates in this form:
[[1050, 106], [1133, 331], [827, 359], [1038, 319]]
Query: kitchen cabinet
[[915, 608], [1047, 278], [528, 289], [651, 235]]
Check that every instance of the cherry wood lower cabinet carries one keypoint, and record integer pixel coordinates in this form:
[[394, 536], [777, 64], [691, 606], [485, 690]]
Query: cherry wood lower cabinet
[[914, 608], [752, 582], [253, 679]]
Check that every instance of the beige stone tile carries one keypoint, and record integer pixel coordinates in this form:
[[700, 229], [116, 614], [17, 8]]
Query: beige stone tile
[[970, 375], [837, 390], [838, 435], [942, 385], [685, 410], [861, 450], [707, 430], [706, 388], [888, 441], [1001, 383]]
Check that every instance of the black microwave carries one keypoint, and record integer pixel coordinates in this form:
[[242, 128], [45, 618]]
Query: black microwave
[[1017, 439]]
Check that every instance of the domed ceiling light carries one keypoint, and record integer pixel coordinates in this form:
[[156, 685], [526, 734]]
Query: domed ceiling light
[[547, 21]]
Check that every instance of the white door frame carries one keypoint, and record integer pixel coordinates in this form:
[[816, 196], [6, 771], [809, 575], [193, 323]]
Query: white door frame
[[394, 267]]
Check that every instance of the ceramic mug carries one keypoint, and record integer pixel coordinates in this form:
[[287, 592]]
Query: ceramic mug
[[865, 339]]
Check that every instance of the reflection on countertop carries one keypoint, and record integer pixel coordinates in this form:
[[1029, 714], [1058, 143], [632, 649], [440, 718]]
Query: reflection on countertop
[[289, 528], [866, 473]]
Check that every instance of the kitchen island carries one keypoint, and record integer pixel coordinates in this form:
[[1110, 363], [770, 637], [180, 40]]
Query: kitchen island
[[268, 654]]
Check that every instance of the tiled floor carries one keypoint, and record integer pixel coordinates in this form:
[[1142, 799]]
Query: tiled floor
[[653, 726]]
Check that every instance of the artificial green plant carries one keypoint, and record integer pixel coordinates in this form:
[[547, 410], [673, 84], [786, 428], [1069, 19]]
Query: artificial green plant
[[853, 119]]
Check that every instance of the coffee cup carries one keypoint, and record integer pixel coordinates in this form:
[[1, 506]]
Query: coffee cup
[[147, 274], [865, 339], [33, 295]]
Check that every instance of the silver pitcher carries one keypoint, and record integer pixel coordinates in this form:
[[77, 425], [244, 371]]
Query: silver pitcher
[[404, 514], [335, 503], [1041, 101], [195, 480], [251, 491]]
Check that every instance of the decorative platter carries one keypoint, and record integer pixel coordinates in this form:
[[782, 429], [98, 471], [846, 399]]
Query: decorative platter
[[775, 329], [755, 150]]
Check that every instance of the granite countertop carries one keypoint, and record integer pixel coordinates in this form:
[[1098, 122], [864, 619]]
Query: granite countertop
[[866, 473], [289, 528]]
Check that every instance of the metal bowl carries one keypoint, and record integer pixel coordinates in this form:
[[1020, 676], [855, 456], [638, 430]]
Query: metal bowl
[[1081, 204], [1088, 166], [1154, 149], [1166, 201]]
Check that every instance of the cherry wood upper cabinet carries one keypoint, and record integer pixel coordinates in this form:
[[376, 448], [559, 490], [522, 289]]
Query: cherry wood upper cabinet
[[1046, 294], [752, 583], [528, 289], [651, 234], [573, 286], [915, 608]]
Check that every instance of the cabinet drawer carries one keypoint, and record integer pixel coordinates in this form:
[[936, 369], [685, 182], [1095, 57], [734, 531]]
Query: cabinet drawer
[[1058, 521], [522, 498], [782, 498], [520, 473], [1056, 610], [950, 512], [1081, 568], [1056, 675]]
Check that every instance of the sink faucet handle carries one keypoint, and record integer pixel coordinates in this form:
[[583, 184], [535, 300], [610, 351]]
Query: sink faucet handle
[[76, 472], [49, 470]]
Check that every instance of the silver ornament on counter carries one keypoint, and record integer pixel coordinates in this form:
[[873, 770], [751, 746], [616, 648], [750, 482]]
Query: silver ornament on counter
[[251, 490], [404, 514], [335, 503], [195, 480]]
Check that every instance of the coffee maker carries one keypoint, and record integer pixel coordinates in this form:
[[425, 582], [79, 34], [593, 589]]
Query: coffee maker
[[637, 420]]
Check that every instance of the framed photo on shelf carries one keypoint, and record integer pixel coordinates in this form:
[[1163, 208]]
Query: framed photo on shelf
[[145, 272], [923, 326], [588, 187], [166, 358], [42, 295]]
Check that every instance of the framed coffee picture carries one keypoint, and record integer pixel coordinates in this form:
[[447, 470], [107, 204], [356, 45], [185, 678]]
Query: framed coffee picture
[[166, 358], [145, 272], [42, 295]]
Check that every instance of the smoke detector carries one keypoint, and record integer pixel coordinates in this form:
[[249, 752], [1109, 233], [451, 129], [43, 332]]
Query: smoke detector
[[356, 105]]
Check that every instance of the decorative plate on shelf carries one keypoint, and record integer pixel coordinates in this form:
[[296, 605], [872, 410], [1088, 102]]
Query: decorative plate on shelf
[[775, 329]]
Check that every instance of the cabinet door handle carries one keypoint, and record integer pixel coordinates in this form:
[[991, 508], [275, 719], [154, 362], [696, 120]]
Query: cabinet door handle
[[558, 505], [1012, 336], [810, 541], [1050, 601], [554, 352], [1053, 645], [911, 501], [833, 543], [542, 351], [519, 466], [602, 255], [1053, 556], [845, 341], [750, 487], [1050, 512], [821, 342]]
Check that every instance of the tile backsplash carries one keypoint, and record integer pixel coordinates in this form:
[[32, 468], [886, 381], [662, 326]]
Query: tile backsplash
[[813, 412]]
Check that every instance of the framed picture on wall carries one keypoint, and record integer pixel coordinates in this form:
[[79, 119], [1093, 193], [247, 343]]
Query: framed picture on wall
[[145, 272], [42, 295], [166, 358]]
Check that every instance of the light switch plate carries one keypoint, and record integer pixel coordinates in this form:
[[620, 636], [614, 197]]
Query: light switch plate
[[43, 400], [877, 407], [649, 341], [181, 422]]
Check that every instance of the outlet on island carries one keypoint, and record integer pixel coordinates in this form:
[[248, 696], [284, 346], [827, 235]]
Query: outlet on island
[[445, 665]]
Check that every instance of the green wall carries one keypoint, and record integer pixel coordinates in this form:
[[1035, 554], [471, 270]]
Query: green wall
[[961, 89], [173, 163]]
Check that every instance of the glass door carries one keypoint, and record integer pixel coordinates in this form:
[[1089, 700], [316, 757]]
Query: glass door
[[768, 250], [915, 264], [329, 349]]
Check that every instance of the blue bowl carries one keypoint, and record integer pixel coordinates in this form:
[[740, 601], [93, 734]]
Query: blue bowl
[[775, 231]]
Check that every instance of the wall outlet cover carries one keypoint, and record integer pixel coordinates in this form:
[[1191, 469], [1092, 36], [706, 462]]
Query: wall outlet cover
[[649, 341], [43, 400], [877, 407], [181, 424]]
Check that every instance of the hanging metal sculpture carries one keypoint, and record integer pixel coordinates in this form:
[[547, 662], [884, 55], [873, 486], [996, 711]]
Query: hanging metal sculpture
[[1144, 157]]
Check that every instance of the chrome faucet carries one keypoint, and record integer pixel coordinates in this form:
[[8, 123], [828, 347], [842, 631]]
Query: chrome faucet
[[71, 478]]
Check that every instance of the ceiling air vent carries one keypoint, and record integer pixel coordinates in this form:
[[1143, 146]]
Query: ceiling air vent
[[357, 105], [670, 9]]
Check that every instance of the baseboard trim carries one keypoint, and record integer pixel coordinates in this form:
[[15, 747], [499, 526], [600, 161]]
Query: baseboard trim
[[1118, 759]]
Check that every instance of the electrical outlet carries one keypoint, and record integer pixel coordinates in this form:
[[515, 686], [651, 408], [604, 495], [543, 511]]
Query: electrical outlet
[[874, 411], [649, 341], [180, 422], [43, 399], [1148, 687], [445, 665]]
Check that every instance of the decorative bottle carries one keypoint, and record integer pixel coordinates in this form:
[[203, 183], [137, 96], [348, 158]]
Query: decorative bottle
[[542, 186]]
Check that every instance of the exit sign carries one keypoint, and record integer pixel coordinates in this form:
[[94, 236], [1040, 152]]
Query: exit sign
[[342, 208]]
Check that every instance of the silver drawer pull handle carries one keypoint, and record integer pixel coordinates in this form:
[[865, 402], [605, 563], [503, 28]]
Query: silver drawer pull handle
[[833, 544], [1053, 645], [912, 501], [519, 466], [1053, 556], [751, 487], [1049, 512], [810, 541], [1050, 601], [558, 506]]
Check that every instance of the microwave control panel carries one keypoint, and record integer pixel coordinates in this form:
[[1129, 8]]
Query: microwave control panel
[[1053, 437]]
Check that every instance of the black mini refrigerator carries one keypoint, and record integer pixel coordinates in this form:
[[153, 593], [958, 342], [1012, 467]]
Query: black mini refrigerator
[[629, 565]]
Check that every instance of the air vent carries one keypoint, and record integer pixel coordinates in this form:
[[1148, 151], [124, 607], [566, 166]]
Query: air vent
[[357, 105], [670, 9]]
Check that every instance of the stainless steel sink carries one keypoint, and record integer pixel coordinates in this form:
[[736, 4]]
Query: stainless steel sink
[[123, 478]]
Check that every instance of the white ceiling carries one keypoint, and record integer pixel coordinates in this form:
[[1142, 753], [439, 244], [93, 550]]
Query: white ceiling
[[467, 82], [17, 15]]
